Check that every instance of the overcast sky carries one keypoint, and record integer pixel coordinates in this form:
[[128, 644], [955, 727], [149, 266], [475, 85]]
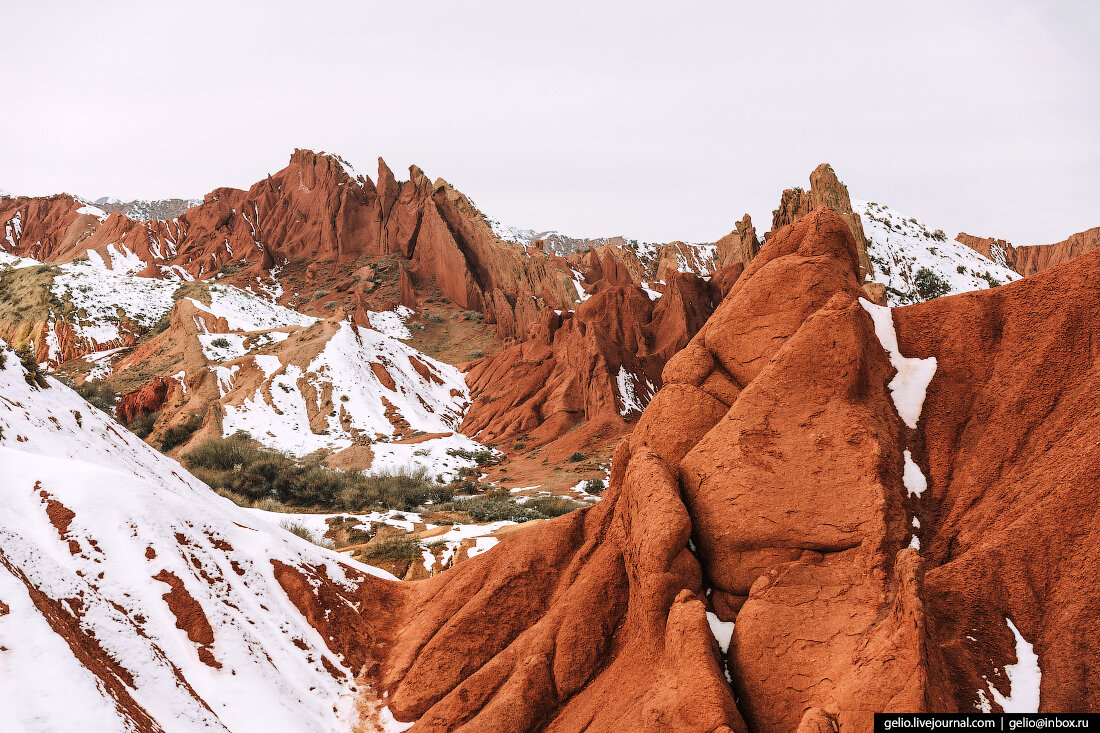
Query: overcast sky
[[658, 120]]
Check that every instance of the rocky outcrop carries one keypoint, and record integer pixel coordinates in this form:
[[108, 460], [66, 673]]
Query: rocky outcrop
[[142, 401], [1036, 258], [997, 250], [597, 365], [740, 245], [825, 190]]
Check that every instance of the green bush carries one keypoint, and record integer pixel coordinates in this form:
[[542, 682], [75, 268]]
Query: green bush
[[395, 550], [594, 486], [256, 473], [180, 433], [930, 285], [99, 395], [554, 506], [577, 457], [220, 343], [993, 282], [493, 508]]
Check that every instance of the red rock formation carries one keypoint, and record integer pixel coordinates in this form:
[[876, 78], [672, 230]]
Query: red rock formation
[[767, 483], [997, 250], [315, 211], [142, 401], [1009, 441], [740, 245], [825, 190], [1036, 258], [566, 372]]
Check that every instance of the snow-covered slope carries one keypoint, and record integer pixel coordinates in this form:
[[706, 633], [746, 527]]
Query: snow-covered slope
[[901, 246], [362, 385], [132, 596]]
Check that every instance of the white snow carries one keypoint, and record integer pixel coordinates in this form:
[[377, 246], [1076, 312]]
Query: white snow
[[102, 297], [244, 311], [93, 211], [912, 477], [633, 394], [129, 500], [391, 323], [1024, 677], [482, 544], [910, 385], [901, 246], [578, 278], [220, 352], [278, 413], [722, 630], [653, 294]]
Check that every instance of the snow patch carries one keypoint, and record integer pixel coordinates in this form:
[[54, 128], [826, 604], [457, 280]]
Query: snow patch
[[909, 386], [1023, 677], [912, 477]]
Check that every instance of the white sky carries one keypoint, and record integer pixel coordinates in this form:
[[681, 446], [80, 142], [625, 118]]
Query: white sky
[[658, 120]]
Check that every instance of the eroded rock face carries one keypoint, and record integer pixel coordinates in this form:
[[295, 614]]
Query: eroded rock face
[[740, 245], [997, 250], [1036, 258], [825, 190], [314, 210], [598, 365], [774, 480]]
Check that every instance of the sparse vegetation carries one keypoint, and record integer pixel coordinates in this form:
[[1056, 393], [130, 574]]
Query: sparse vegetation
[[98, 394], [250, 473], [494, 507], [930, 285], [481, 457], [577, 457], [300, 530], [394, 550], [433, 318], [180, 433], [142, 425], [553, 506], [473, 316], [993, 282], [220, 343], [939, 236]]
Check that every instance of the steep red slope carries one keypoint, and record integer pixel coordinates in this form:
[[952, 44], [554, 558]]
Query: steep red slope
[[1009, 440]]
